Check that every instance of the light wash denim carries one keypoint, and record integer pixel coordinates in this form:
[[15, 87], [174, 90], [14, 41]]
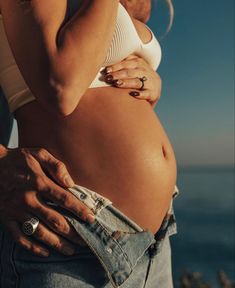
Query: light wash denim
[[119, 253]]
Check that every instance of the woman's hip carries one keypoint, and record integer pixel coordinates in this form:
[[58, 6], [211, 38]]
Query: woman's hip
[[118, 253]]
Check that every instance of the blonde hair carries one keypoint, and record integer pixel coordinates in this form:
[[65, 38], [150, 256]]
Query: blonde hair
[[170, 7], [171, 14]]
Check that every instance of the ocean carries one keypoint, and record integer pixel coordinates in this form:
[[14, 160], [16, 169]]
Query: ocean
[[204, 210]]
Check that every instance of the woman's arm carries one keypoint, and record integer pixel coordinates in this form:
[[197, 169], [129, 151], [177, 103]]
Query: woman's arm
[[57, 60]]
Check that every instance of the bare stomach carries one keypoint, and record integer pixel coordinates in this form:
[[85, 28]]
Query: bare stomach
[[113, 144]]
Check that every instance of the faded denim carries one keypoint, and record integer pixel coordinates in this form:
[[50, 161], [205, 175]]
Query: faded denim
[[119, 253]]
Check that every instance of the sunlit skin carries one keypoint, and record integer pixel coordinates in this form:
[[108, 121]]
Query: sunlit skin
[[139, 9], [112, 143]]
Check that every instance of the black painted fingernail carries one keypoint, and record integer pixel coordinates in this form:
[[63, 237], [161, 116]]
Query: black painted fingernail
[[134, 93], [109, 79]]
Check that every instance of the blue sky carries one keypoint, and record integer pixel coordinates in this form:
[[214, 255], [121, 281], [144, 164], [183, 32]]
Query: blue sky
[[197, 69]]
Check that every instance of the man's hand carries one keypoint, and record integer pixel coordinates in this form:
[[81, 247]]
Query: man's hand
[[24, 185], [127, 74]]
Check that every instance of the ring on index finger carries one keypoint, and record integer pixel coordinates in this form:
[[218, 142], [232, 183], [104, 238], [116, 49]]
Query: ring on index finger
[[30, 226], [142, 79]]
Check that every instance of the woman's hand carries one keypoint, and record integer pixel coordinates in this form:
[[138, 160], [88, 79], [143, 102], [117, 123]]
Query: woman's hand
[[127, 74], [24, 185]]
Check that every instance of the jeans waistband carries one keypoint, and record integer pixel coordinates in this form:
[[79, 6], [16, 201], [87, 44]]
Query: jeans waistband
[[116, 240]]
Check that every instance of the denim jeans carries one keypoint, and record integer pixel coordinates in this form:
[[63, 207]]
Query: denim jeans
[[119, 253]]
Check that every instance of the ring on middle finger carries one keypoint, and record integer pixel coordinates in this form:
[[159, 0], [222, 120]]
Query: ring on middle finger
[[142, 79]]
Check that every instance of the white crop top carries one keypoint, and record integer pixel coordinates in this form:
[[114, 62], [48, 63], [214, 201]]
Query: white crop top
[[125, 41]]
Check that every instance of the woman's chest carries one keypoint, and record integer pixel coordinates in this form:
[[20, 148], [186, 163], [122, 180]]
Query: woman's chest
[[128, 38]]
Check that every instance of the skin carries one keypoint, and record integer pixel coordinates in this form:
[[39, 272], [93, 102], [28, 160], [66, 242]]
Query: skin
[[138, 9], [60, 82], [19, 195], [106, 159]]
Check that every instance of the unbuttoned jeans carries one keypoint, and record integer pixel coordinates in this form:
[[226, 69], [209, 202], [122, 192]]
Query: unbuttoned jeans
[[119, 253]]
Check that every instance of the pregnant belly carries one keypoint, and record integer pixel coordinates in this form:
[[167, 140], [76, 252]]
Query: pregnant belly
[[113, 144]]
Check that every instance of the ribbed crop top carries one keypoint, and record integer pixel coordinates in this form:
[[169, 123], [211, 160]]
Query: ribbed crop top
[[125, 41]]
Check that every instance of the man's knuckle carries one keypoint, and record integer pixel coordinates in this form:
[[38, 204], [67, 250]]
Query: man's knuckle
[[41, 153], [84, 211], [28, 199], [41, 150], [39, 183], [24, 151], [37, 207], [50, 191], [58, 224], [63, 199], [69, 200], [60, 167]]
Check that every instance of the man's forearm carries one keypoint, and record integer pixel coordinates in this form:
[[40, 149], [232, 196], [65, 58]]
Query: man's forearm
[[2, 150]]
